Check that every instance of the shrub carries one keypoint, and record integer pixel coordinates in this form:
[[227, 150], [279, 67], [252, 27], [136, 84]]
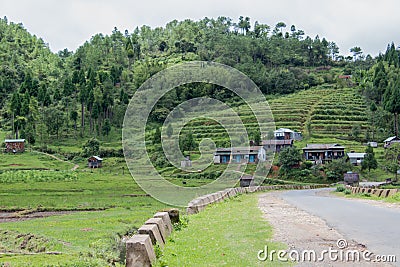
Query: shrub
[[340, 188], [347, 191]]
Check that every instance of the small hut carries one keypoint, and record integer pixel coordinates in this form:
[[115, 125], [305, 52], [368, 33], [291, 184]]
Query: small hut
[[15, 145], [95, 162], [351, 178], [246, 181]]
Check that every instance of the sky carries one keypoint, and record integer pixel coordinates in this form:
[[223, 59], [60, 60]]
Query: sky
[[369, 24]]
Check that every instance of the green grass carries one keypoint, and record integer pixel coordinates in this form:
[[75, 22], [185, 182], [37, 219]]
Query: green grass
[[31, 160], [226, 234], [82, 236], [91, 237], [91, 190]]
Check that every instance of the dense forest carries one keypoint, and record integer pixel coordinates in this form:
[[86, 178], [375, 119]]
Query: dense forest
[[85, 93]]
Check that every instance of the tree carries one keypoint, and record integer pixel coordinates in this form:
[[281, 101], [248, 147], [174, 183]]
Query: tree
[[157, 137], [74, 117], [289, 158], [169, 130], [187, 142], [357, 52], [392, 101], [369, 161], [373, 108], [91, 147], [392, 155], [356, 131], [336, 168], [256, 137], [333, 49], [54, 119], [279, 29], [106, 127]]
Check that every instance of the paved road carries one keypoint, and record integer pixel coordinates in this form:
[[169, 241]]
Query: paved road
[[376, 227]]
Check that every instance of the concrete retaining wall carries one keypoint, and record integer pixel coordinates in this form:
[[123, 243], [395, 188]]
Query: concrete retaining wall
[[373, 191], [139, 248], [200, 203]]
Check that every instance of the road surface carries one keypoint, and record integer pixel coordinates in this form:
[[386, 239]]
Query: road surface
[[377, 227]]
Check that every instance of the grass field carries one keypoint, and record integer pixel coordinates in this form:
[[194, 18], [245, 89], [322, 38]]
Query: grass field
[[104, 204], [109, 206], [229, 233], [31, 160]]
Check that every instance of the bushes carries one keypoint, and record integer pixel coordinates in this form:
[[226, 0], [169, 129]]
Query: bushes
[[340, 188], [203, 175]]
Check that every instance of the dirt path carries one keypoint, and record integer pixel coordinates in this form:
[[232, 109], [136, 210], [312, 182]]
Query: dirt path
[[18, 216], [302, 231], [76, 166]]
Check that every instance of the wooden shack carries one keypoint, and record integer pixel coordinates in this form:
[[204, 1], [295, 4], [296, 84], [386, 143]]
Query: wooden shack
[[14, 145], [95, 162], [351, 178], [246, 181]]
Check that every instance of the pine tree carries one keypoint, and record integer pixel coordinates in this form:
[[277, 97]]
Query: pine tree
[[369, 161]]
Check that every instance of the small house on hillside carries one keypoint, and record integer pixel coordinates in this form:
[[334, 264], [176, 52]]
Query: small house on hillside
[[356, 158], [186, 163], [373, 144], [277, 145], [246, 181], [286, 134], [252, 154], [14, 145], [95, 162], [389, 141], [321, 153]]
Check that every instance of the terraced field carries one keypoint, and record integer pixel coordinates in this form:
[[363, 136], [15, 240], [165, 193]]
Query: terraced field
[[324, 114]]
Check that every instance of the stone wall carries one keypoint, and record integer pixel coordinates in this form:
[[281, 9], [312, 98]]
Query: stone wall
[[140, 247], [373, 191], [200, 203]]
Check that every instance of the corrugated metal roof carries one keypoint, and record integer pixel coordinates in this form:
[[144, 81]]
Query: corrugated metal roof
[[238, 150], [323, 146], [14, 140], [96, 157], [356, 155], [284, 130], [390, 139], [277, 142]]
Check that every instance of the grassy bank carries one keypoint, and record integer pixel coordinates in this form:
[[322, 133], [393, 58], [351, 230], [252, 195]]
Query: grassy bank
[[226, 234]]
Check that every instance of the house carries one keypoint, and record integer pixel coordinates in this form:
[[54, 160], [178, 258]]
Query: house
[[246, 181], [186, 163], [321, 153], [286, 134], [95, 162], [389, 141], [252, 154], [356, 158], [15, 145], [373, 144], [277, 145]]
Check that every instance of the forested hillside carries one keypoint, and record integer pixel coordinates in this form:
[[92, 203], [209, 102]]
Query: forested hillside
[[85, 93]]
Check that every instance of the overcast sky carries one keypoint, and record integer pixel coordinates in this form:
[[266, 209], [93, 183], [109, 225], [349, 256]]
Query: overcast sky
[[370, 24]]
